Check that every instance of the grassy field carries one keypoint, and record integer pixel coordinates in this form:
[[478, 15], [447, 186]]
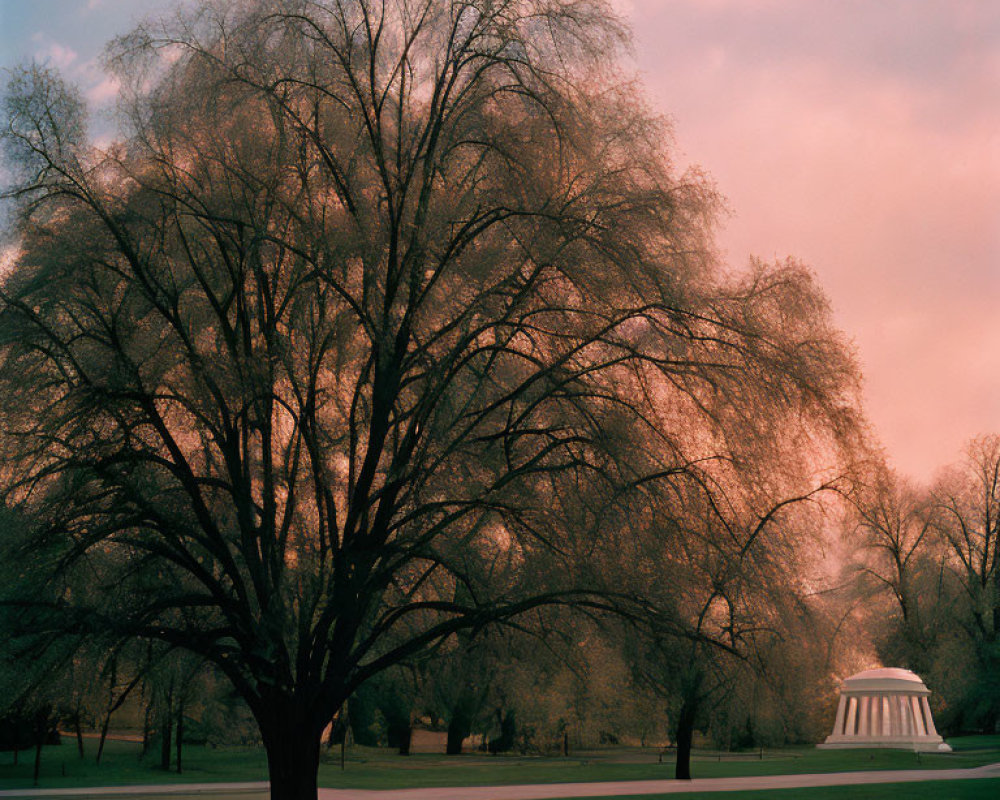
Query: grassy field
[[121, 764], [380, 769]]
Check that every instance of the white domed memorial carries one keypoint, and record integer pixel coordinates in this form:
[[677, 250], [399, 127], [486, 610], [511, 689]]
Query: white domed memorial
[[885, 708]]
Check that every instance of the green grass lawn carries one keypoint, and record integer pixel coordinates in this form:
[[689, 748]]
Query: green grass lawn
[[121, 764], [379, 769]]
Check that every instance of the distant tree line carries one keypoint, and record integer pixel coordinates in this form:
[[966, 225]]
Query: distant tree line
[[929, 573]]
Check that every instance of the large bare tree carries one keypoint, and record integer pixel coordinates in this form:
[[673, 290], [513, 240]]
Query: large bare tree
[[361, 332]]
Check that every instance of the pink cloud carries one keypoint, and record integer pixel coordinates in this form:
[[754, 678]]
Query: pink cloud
[[104, 91], [862, 138], [56, 54]]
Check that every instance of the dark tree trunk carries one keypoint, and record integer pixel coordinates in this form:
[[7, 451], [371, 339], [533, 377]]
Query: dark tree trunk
[[108, 711], [113, 705], [405, 737], [685, 735], [292, 755], [147, 728], [459, 727], [104, 735], [166, 732], [41, 730], [180, 735], [345, 722], [79, 733]]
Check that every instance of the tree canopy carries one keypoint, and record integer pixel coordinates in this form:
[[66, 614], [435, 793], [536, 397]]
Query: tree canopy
[[369, 329]]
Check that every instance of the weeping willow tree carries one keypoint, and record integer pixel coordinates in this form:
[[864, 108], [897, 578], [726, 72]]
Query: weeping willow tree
[[355, 336]]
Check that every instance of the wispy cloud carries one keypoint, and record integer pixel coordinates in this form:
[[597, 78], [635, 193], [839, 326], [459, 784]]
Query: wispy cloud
[[104, 91], [56, 54]]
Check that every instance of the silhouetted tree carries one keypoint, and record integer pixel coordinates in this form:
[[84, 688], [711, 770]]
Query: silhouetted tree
[[371, 296]]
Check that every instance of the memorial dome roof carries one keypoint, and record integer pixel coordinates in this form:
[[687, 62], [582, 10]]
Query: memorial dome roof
[[892, 673], [885, 678]]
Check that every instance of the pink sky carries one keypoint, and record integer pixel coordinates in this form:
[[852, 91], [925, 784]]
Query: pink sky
[[860, 136], [864, 139]]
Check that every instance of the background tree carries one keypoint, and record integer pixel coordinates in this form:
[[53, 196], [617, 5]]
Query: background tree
[[33, 698], [382, 711], [726, 552], [722, 641], [967, 505], [456, 683], [904, 558], [371, 296], [931, 562]]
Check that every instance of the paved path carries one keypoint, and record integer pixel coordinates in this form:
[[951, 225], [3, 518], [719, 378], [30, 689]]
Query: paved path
[[627, 788], [539, 791]]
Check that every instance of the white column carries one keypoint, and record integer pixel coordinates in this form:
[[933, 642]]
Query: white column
[[917, 716], [866, 704], [895, 726], [931, 730], [838, 726], [910, 726], [852, 716]]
